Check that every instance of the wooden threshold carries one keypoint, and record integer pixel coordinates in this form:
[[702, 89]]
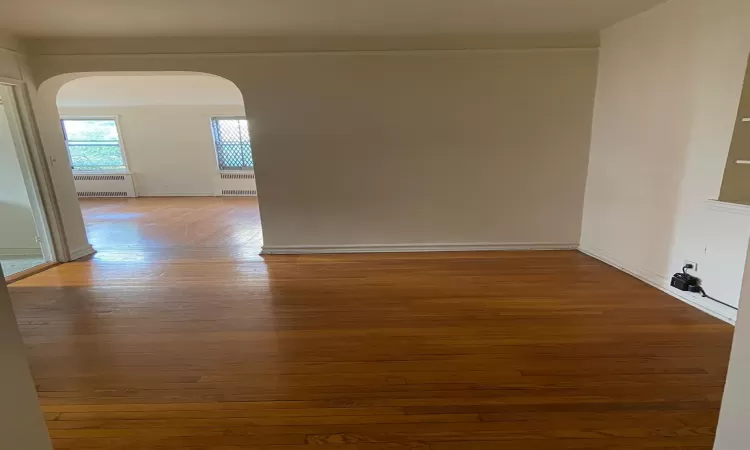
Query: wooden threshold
[[29, 272]]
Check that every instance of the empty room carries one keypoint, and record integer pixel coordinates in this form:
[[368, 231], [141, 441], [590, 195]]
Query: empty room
[[488, 224]]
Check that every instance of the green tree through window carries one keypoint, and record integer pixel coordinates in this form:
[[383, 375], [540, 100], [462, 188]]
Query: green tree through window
[[93, 145]]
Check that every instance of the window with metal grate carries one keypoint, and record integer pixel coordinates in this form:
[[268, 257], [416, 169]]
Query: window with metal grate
[[232, 143]]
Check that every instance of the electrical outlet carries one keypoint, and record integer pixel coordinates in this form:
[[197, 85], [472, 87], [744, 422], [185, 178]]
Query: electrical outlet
[[694, 265]]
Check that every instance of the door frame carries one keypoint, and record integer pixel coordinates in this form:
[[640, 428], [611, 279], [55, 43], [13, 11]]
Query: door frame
[[35, 171]]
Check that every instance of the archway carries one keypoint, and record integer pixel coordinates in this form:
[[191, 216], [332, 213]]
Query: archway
[[159, 161]]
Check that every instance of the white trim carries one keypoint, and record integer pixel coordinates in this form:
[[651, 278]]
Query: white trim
[[71, 109], [79, 253], [734, 208], [4, 49], [413, 248], [21, 252], [13, 105], [10, 80], [101, 172], [305, 53], [717, 310], [71, 46], [236, 171], [40, 165]]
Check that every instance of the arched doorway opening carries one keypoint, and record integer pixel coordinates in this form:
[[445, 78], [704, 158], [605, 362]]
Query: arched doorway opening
[[160, 164]]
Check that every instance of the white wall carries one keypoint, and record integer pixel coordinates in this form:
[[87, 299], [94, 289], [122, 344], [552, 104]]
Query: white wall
[[393, 149], [731, 433], [666, 102], [169, 149], [21, 421], [18, 237]]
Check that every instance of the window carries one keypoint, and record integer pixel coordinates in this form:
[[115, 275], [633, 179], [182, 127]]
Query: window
[[94, 145], [232, 142]]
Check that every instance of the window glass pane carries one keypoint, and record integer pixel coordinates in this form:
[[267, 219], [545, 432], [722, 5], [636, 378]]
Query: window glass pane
[[234, 129], [93, 145], [96, 157], [90, 130], [232, 139]]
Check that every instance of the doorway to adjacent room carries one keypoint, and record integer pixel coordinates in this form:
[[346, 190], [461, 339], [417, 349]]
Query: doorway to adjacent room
[[161, 163], [25, 243]]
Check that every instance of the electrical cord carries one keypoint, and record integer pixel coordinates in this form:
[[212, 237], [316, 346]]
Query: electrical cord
[[704, 294], [703, 291]]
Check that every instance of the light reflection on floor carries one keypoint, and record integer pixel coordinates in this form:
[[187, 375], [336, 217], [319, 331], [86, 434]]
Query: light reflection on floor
[[154, 228]]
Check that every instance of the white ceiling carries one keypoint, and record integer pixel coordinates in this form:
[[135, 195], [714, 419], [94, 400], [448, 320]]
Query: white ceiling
[[310, 17], [148, 90]]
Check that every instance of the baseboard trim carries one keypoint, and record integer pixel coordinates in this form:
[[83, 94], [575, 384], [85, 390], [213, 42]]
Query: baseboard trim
[[21, 252], [717, 310], [413, 248], [82, 252]]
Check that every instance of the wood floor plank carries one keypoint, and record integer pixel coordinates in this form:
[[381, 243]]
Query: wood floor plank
[[177, 335]]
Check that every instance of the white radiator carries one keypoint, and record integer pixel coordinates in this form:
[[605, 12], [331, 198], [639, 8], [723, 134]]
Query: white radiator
[[119, 185], [239, 184]]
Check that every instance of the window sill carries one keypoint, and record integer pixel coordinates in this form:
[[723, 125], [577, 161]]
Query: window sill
[[101, 172]]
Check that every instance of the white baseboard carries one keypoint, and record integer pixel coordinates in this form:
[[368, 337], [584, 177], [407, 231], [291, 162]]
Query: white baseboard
[[413, 248], [34, 252], [81, 252], [717, 310]]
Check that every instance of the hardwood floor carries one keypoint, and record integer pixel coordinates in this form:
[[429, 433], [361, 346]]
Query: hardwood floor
[[181, 341], [174, 223]]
